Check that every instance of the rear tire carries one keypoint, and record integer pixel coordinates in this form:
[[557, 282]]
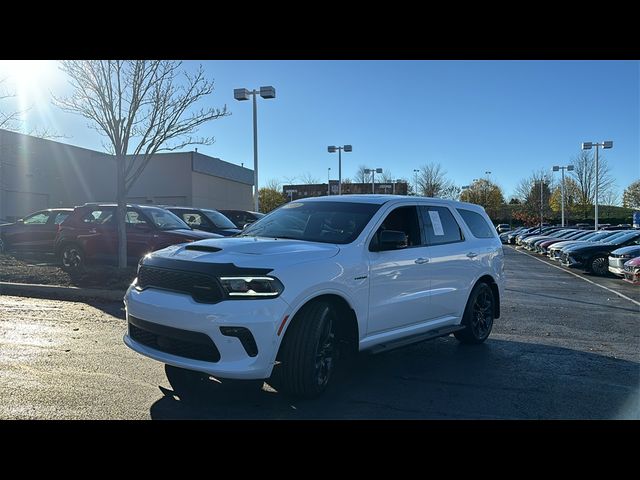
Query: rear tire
[[478, 316], [72, 258], [308, 352]]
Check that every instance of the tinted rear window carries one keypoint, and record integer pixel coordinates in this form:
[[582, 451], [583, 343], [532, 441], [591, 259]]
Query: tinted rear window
[[476, 223]]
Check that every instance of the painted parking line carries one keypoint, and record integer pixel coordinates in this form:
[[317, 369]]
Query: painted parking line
[[579, 276]]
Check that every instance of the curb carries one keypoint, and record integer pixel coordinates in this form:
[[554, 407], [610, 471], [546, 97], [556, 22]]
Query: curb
[[59, 292]]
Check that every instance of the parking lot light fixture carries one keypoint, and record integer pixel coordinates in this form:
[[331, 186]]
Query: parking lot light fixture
[[333, 149], [588, 146], [556, 168], [415, 174], [242, 94]]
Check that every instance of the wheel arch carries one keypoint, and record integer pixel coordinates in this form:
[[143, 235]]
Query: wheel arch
[[489, 280], [348, 329]]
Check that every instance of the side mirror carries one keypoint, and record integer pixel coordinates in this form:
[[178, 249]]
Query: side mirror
[[392, 240], [20, 220]]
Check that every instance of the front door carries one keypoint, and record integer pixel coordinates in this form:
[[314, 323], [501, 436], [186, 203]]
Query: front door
[[399, 279], [31, 234]]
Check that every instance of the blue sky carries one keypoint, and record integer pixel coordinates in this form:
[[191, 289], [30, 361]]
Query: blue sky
[[507, 117]]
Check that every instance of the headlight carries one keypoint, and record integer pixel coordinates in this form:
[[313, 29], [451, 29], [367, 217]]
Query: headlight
[[252, 287]]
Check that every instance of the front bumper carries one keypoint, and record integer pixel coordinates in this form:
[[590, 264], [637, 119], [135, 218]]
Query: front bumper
[[571, 262], [178, 311], [616, 266], [632, 276]]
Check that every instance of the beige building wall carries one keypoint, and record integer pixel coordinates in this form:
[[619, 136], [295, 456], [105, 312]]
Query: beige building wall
[[36, 174], [166, 180], [214, 192]]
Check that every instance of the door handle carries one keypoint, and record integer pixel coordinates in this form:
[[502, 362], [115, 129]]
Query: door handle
[[421, 260], [472, 254], [93, 230]]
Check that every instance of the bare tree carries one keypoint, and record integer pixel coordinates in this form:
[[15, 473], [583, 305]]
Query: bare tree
[[8, 120], [584, 174], [290, 180], [141, 107], [360, 176], [308, 178], [432, 181], [386, 176]]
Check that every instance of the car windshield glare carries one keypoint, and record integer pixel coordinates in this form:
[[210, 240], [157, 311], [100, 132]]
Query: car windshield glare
[[218, 219], [164, 219], [326, 222]]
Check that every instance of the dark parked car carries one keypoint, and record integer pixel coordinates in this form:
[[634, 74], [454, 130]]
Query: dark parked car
[[593, 257], [34, 233], [90, 234], [241, 218], [206, 219], [503, 227]]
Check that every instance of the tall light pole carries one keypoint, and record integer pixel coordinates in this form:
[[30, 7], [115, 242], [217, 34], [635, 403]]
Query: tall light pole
[[328, 181], [569, 168], [541, 199], [373, 172], [332, 149], [415, 174], [486, 188], [587, 146], [243, 94]]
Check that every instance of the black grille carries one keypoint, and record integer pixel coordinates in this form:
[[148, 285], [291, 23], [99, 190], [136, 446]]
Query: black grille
[[203, 288], [175, 341]]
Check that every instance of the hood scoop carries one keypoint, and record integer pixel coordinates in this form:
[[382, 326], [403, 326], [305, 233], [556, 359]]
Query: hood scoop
[[202, 248]]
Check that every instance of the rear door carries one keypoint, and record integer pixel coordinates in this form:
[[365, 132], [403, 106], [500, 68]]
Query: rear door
[[98, 235], [450, 269]]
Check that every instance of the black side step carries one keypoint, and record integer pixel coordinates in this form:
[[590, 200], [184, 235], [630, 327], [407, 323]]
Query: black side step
[[421, 337]]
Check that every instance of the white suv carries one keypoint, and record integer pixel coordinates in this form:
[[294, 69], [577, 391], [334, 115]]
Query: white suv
[[314, 278]]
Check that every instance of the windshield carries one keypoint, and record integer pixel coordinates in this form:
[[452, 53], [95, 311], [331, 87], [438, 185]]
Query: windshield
[[326, 222], [218, 219], [164, 219], [622, 238]]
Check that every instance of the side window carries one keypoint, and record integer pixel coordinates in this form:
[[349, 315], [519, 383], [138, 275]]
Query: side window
[[37, 218], [192, 219], [402, 219], [99, 216], [476, 223], [61, 217], [134, 218], [440, 226]]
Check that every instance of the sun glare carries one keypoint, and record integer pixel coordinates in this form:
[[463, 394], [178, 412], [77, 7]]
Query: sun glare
[[27, 78]]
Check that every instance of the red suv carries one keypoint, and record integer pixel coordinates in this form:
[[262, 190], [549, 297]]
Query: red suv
[[90, 234]]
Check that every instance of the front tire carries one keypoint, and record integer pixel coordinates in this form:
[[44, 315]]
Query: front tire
[[308, 352], [478, 316], [598, 265], [72, 258]]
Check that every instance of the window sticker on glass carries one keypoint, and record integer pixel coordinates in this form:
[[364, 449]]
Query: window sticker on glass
[[436, 222]]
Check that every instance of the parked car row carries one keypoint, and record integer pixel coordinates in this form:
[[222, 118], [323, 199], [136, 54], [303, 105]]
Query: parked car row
[[88, 233], [597, 252]]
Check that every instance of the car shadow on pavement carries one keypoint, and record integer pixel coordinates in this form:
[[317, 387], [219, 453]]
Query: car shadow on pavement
[[440, 379]]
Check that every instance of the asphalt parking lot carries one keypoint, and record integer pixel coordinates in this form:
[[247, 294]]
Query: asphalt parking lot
[[563, 348]]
